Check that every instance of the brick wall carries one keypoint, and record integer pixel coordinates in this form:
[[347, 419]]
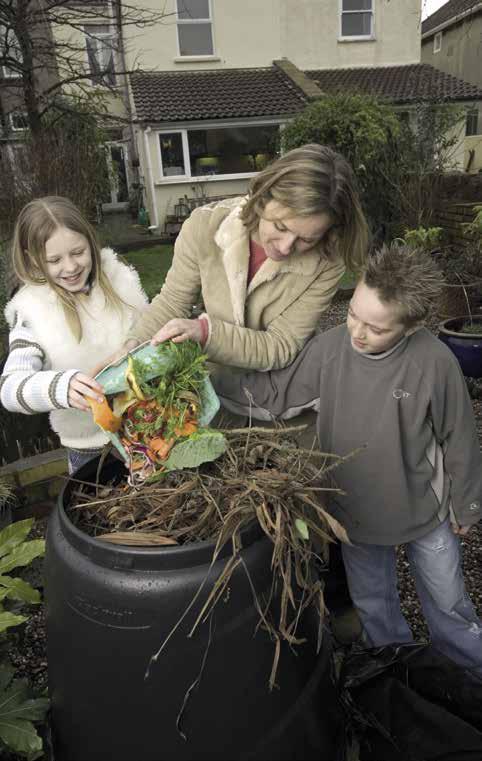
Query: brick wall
[[452, 216]]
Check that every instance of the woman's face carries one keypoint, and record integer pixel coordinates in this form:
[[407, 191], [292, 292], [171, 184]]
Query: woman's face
[[282, 233], [68, 259]]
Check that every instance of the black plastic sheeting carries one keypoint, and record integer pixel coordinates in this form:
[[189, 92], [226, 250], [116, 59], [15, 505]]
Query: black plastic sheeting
[[411, 703]]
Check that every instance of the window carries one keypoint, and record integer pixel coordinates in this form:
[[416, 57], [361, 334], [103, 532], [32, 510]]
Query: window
[[217, 151], [437, 42], [9, 50], [99, 40], [357, 18], [194, 27], [472, 123], [18, 121]]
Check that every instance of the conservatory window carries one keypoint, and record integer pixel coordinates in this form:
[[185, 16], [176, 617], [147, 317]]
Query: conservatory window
[[99, 40], [357, 18], [217, 151], [194, 28]]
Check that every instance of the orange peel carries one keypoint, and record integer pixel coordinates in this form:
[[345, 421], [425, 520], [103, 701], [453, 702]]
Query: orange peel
[[103, 415]]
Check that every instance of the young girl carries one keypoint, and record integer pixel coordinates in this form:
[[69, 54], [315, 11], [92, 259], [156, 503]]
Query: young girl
[[77, 302]]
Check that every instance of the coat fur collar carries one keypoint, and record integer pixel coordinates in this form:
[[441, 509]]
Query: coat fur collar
[[233, 239]]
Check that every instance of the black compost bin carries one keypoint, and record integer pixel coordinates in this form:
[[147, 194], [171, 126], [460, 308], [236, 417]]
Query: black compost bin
[[108, 610]]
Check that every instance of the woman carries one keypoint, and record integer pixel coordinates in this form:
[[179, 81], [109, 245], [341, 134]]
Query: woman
[[266, 265]]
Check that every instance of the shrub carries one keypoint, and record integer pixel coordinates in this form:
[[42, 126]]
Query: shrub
[[398, 164], [67, 158], [359, 127]]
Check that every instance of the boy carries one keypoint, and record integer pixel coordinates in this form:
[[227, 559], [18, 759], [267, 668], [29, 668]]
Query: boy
[[385, 383]]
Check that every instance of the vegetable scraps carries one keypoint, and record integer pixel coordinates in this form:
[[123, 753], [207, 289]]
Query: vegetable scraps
[[152, 415]]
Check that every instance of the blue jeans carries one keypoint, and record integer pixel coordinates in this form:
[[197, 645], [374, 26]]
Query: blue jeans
[[78, 457], [435, 561]]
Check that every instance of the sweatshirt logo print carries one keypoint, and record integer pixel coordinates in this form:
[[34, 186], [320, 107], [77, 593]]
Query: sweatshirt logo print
[[399, 393]]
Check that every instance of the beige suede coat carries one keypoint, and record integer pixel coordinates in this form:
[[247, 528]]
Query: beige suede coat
[[262, 325]]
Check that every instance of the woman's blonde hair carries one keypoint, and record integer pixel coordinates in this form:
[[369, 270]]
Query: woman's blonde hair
[[309, 180], [35, 225]]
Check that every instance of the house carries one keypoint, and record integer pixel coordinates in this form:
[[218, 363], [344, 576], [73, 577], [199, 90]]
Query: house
[[217, 80], [198, 94], [452, 42]]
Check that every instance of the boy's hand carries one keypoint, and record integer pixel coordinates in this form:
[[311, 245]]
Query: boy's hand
[[460, 530], [179, 330], [81, 386]]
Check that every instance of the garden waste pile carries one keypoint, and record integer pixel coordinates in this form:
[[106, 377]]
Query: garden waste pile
[[200, 484]]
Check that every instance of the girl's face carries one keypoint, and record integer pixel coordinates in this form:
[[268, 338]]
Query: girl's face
[[68, 259], [373, 325], [281, 234]]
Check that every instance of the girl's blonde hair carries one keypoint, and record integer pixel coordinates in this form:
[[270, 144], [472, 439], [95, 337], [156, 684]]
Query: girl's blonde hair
[[35, 225], [311, 180]]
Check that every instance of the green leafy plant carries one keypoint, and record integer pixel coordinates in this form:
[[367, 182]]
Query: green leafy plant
[[18, 712], [474, 229], [427, 238], [15, 551], [19, 707], [361, 128], [461, 266]]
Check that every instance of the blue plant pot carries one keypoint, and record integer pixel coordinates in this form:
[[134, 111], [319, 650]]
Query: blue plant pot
[[467, 347]]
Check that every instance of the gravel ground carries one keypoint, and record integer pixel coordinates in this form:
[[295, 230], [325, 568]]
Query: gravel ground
[[27, 650]]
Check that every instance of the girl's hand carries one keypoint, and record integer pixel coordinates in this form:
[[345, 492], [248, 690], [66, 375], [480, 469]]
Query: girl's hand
[[81, 386], [460, 530], [179, 330]]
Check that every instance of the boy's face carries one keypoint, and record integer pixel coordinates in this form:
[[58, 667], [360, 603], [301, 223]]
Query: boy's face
[[374, 326]]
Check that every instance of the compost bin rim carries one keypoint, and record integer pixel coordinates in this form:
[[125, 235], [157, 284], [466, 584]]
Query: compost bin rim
[[126, 557]]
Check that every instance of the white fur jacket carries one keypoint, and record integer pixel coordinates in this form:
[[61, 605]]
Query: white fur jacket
[[262, 325], [44, 355]]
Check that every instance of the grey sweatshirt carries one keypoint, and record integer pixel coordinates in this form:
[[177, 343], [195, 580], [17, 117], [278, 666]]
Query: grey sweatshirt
[[410, 411]]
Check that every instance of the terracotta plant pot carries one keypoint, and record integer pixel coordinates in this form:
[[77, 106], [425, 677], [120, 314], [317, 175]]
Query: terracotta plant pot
[[465, 343]]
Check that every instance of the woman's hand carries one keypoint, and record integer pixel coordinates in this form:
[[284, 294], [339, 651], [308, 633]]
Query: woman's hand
[[81, 386], [179, 330]]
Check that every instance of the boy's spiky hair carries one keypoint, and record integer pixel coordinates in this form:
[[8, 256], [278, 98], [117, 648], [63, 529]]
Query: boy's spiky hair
[[407, 276]]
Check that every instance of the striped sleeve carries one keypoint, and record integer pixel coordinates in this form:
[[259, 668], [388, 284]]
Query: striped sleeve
[[24, 385]]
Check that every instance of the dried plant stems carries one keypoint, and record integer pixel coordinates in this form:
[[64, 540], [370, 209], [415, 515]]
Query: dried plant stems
[[264, 477]]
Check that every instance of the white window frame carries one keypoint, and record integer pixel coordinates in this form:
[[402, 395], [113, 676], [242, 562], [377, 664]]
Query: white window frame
[[180, 178], [357, 37], [11, 117], [195, 56], [473, 112], [8, 73], [98, 36], [437, 42]]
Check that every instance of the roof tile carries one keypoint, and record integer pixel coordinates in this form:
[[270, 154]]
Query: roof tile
[[398, 84], [446, 13], [167, 96]]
